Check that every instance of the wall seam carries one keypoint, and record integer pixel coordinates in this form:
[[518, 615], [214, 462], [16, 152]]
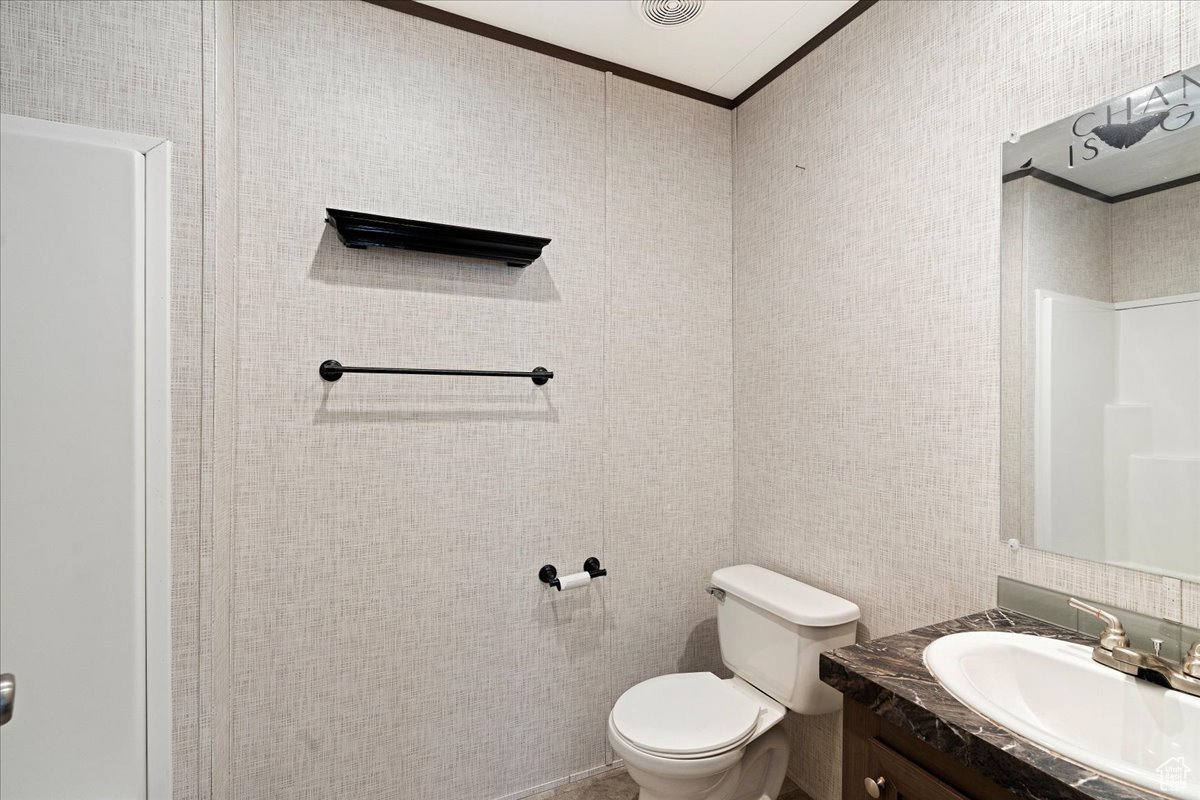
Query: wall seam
[[204, 617], [604, 399], [1181, 66], [235, 356], [233, 269], [734, 500]]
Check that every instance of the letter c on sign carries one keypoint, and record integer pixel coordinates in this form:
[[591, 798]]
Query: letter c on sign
[[1075, 126]]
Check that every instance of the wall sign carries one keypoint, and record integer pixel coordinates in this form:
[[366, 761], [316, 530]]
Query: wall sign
[[1146, 114]]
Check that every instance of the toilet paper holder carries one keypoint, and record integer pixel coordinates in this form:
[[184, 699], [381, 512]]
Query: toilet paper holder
[[548, 573]]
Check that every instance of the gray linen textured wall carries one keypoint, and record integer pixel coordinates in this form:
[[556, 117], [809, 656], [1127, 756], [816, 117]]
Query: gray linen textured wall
[[389, 634], [1159, 222], [867, 303]]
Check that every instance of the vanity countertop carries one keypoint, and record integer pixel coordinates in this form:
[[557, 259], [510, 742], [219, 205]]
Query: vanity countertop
[[888, 676]]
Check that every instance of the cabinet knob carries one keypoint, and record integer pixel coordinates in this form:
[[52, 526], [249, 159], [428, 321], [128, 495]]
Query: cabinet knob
[[874, 786]]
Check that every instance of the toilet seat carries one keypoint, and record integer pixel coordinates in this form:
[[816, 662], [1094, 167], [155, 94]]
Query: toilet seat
[[687, 715]]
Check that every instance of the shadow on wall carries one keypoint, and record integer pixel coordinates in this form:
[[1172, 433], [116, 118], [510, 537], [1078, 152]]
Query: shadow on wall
[[702, 651], [571, 622], [527, 403], [405, 270], [814, 737], [393, 399]]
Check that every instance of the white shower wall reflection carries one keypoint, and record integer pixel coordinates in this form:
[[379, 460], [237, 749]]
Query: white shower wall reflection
[[1117, 431]]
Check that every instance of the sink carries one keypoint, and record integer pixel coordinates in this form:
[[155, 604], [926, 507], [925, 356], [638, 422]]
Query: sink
[[1052, 693]]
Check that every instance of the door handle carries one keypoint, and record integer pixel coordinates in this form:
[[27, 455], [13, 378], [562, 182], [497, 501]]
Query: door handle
[[8, 695]]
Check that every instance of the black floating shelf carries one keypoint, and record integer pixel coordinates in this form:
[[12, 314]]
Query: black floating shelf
[[371, 230]]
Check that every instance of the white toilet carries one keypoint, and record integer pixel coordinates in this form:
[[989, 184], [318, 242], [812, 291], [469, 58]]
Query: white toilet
[[693, 736]]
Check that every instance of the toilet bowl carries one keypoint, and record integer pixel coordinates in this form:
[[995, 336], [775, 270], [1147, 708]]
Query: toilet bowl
[[694, 736]]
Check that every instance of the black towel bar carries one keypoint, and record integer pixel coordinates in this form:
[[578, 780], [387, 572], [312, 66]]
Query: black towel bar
[[332, 370]]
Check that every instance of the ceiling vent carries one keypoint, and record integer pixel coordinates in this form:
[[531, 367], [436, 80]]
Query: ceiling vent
[[668, 13]]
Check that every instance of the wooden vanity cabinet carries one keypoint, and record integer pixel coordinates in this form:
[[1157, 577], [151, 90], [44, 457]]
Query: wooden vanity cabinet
[[903, 767]]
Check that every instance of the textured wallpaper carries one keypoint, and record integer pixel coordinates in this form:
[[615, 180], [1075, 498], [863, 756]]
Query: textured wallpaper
[[1068, 242], [389, 634], [867, 304], [669, 380], [221, 232], [1155, 251], [390, 638]]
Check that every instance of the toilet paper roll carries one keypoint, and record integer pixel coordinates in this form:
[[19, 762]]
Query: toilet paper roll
[[574, 581]]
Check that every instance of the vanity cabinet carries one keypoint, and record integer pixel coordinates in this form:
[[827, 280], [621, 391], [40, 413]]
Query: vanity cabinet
[[901, 766]]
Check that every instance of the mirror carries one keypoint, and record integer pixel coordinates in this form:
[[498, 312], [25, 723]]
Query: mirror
[[1100, 320]]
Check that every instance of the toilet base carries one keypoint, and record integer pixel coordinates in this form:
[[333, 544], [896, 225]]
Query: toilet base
[[757, 775], [764, 767]]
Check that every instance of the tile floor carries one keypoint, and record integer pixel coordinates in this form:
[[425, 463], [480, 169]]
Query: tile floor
[[617, 785]]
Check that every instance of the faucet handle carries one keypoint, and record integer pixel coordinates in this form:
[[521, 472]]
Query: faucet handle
[[1191, 663], [1113, 634]]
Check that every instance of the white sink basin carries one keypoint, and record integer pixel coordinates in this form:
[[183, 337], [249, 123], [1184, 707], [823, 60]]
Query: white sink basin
[[1052, 693]]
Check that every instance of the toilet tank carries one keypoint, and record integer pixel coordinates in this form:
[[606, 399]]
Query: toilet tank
[[773, 629]]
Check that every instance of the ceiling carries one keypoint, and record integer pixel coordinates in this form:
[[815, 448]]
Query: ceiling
[[726, 48]]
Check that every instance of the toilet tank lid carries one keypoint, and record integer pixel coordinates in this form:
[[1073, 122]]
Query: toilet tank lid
[[784, 597]]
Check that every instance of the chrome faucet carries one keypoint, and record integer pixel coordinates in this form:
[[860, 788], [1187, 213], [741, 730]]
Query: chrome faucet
[[1191, 662], [1114, 651]]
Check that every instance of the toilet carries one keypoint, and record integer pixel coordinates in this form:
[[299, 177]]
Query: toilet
[[694, 736]]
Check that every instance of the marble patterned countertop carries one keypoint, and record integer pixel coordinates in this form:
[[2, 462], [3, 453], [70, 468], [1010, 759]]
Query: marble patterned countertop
[[888, 676]]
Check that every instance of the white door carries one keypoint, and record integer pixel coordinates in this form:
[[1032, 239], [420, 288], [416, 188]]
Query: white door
[[81, 410]]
